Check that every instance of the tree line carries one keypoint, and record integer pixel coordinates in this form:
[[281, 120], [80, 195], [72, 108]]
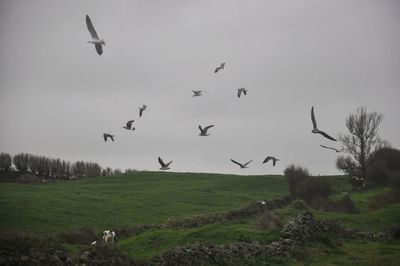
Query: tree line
[[52, 167]]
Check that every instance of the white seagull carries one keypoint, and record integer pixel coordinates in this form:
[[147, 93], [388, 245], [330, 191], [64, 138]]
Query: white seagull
[[271, 158], [203, 131], [129, 125], [164, 166], [141, 109], [105, 136], [222, 66], [315, 130], [240, 92], [198, 93], [241, 165], [95, 38]]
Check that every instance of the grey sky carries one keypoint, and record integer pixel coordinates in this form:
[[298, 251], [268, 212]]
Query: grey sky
[[57, 96]]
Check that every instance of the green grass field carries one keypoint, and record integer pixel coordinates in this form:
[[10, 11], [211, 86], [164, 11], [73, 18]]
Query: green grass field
[[138, 198], [154, 197]]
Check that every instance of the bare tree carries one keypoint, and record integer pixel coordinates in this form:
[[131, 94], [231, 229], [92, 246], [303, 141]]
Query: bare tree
[[361, 142]]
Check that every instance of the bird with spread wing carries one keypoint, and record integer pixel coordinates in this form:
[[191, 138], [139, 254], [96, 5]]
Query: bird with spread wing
[[95, 38], [315, 130]]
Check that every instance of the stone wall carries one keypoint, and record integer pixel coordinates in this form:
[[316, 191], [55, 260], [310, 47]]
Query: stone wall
[[297, 232]]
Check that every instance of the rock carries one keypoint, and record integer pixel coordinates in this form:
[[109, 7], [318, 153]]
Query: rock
[[61, 255], [69, 261], [84, 256], [54, 260], [25, 258]]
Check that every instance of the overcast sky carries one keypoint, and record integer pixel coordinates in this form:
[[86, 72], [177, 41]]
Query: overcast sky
[[58, 96]]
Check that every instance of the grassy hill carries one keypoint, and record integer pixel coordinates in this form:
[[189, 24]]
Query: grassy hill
[[137, 198], [154, 197], [150, 243]]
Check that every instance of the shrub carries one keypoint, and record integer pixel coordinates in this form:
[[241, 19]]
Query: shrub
[[295, 175], [390, 155], [382, 164], [395, 182], [300, 205], [314, 187], [346, 204], [83, 236], [378, 173], [5, 162], [304, 186], [15, 244]]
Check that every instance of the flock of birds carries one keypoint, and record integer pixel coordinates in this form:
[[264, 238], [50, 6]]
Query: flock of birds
[[98, 43]]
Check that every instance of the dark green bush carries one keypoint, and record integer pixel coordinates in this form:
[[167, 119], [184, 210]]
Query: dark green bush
[[378, 173], [390, 155], [346, 204], [382, 164], [314, 187], [304, 186], [20, 243], [395, 182], [295, 175]]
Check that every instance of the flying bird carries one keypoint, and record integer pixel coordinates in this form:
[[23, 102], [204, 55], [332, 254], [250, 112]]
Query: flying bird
[[274, 159], [222, 66], [141, 109], [331, 148], [203, 131], [95, 38], [164, 166], [241, 165], [129, 125], [198, 93], [106, 136], [315, 129], [240, 92]]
